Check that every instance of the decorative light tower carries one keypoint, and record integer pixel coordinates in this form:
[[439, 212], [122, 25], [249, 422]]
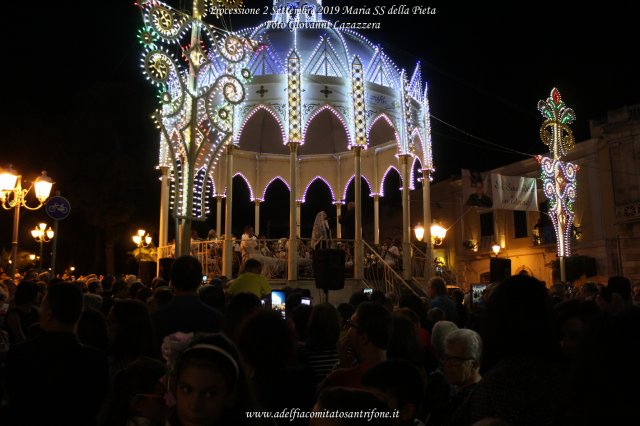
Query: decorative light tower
[[558, 177], [199, 94]]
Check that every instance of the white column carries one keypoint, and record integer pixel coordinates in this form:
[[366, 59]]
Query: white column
[[376, 219], [292, 275], [338, 224], [163, 228], [227, 248], [298, 205], [256, 226], [426, 219], [406, 218], [358, 264], [219, 215]]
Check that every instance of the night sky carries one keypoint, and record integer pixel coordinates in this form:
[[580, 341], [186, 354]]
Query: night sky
[[75, 103]]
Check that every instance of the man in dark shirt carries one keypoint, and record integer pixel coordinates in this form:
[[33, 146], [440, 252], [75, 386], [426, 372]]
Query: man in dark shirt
[[54, 379], [186, 312]]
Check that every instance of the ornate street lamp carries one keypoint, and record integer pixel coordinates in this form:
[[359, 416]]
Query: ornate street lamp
[[142, 240], [419, 231], [13, 196], [496, 249], [437, 234], [42, 235]]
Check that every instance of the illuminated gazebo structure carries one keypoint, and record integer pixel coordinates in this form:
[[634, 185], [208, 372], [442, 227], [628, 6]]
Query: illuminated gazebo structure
[[302, 103]]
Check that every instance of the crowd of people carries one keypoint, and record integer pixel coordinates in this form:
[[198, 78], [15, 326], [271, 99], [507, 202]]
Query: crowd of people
[[114, 351]]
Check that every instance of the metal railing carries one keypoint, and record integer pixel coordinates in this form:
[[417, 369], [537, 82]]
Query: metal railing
[[272, 253], [418, 260], [380, 276]]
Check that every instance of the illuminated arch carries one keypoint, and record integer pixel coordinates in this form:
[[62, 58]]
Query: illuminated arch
[[336, 113], [266, 187], [346, 187], [251, 197], [416, 135], [384, 177], [412, 178], [304, 194], [250, 115], [383, 116]]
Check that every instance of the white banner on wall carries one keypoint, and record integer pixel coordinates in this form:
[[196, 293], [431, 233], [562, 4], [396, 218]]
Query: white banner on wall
[[489, 190], [514, 193]]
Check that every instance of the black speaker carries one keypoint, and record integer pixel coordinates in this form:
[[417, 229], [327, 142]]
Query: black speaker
[[499, 269], [147, 272], [328, 269], [165, 268]]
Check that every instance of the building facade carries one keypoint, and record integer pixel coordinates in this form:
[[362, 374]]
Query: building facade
[[607, 212]]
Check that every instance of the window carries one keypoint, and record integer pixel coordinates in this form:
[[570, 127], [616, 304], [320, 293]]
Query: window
[[486, 224], [520, 224]]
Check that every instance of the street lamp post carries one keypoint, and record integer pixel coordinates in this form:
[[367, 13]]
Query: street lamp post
[[42, 235], [13, 196], [142, 240]]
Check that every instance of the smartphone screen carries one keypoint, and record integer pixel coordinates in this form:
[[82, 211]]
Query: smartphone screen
[[277, 300], [368, 291], [306, 301], [476, 293]]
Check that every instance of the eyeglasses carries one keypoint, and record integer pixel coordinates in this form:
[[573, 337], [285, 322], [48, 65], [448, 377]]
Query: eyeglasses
[[454, 360], [351, 323]]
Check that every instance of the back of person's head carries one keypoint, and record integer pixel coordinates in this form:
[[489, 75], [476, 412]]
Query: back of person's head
[[518, 321], [240, 307], [413, 302], [92, 301], [405, 343], [345, 310], [216, 282], [299, 316], [26, 292], [457, 296], [267, 342], [162, 296], [107, 282], [339, 399], [378, 297], [588, 290], [94, 286], [469, 340], [323, 328], [399, 379], [212, 296], [253, 265], [143, 294], [64, 301], [186, 273], [439, 335], [438, 285], [292, 301], [158, 282], [92, 330], [375, 320], [435, 315], [120, 289], [132, 386], [357, 298], [133, 289], [134, 336], [621, 286]]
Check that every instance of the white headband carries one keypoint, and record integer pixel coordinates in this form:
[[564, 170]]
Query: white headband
[[220, 351]]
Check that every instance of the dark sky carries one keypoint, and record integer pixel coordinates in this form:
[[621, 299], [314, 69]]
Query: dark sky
[[74, 97]]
